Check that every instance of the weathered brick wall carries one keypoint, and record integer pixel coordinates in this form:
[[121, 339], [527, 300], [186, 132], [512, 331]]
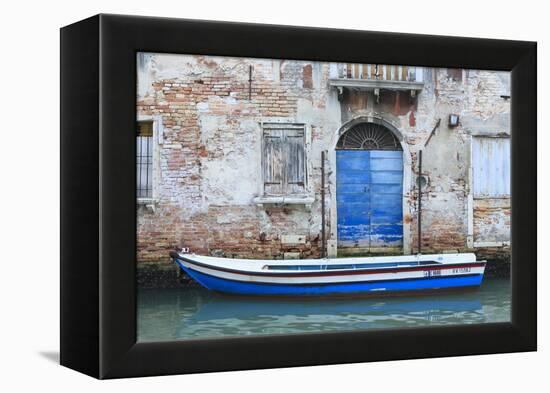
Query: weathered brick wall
[[492, 219], [479, 98], [210, 154]]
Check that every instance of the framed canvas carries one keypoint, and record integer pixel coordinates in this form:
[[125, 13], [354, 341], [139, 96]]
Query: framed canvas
[[200, 159]]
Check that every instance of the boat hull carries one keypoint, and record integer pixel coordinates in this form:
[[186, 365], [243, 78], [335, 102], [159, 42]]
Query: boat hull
[[378, 287], [395, 282]]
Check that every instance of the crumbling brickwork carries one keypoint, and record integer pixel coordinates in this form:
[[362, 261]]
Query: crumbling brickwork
[[210, 156], [208, 114]]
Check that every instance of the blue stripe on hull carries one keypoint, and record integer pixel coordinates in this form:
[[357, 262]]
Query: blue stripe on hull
[[249, 288]]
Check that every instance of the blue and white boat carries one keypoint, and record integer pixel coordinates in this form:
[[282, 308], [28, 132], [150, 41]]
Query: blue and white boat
[[329, 277]]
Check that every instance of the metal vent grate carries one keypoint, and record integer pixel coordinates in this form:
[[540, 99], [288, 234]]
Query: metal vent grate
[[368, 136]]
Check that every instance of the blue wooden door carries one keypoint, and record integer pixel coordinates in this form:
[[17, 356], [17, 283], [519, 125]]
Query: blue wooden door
[[369, 192]]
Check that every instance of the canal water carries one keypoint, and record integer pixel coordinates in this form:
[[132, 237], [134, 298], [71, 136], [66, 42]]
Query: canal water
[[181, 314]]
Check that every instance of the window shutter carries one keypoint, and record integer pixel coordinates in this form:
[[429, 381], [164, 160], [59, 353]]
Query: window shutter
[[284, 158], [295, 161], [491, 167], [273, 161]]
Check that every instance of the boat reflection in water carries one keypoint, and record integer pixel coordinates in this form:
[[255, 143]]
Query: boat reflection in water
[[244, 315], [199, 313]]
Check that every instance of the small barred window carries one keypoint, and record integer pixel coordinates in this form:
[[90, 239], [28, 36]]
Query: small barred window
[[144, 159]]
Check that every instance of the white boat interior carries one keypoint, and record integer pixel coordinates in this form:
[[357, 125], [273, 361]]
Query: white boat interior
[[258, 265]]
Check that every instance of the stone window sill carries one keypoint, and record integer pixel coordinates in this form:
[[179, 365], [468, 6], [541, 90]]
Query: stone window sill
[[492, 197], [148, 203], [305, 200]]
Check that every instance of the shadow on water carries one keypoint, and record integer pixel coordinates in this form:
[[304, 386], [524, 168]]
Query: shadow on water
[[170, 314]]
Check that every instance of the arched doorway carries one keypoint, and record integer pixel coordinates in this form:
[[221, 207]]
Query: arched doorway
[[369, 190]]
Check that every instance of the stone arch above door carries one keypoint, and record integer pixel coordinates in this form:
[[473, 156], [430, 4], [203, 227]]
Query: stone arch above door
[[368, 136], [374, 119]]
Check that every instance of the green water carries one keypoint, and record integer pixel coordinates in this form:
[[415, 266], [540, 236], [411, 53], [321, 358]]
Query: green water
[[174, 314]]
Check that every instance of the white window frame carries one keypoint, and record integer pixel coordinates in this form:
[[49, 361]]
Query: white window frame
[[470, 241], [156, 144], [506, 171]]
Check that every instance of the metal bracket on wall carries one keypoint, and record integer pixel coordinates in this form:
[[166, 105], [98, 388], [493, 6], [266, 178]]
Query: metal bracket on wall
[[432, 132], [340, 93], [377, 95]]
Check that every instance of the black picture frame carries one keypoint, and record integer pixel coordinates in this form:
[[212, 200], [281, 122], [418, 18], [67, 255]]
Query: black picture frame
[[98, 205]]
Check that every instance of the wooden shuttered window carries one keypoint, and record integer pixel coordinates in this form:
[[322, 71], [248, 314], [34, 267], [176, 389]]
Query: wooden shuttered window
[[273, 161], [283, 161]]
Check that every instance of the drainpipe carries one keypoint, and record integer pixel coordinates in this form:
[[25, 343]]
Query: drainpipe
[[323, 240], [420, 201]]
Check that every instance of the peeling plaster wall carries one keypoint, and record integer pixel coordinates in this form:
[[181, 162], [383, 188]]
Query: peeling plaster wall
[[209, 153], [480, 100], [492, 220]]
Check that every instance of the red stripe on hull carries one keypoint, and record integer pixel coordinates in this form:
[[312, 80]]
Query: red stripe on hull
[[339, 273]]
